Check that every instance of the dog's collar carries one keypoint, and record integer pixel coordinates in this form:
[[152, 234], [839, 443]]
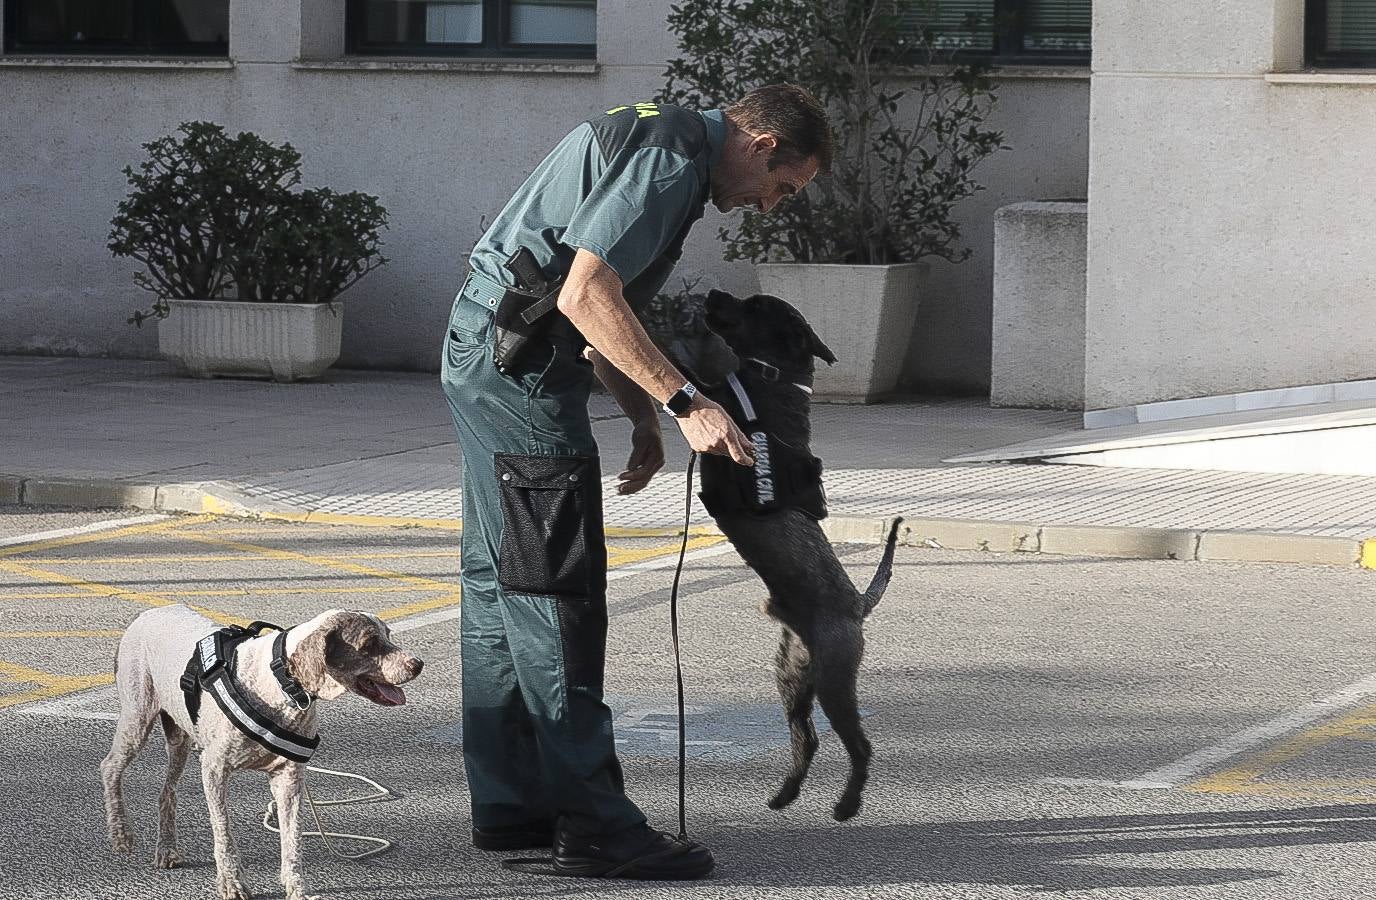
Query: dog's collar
[[770, 372], [297, 694], [211, 670]]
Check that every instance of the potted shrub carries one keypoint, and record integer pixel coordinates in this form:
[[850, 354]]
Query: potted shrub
[[246, 270], [908, 124]]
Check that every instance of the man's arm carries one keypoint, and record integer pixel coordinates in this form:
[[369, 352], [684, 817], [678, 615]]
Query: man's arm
[[592, 300], [647, 443]]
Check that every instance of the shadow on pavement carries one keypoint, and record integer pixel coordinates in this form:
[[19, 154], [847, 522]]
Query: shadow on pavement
[[1045, 854]]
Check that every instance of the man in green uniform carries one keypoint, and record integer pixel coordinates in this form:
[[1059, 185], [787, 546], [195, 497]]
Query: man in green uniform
[[607, 212]]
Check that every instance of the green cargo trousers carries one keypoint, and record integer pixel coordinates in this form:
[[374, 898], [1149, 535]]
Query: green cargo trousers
[[537, 736]]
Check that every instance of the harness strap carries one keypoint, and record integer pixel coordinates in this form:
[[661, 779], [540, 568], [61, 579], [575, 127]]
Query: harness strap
[[783, 476], [290, 686], [210, 670], [747, 408]]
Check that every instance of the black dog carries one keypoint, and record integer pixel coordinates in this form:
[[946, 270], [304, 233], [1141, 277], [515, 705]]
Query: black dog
[[771, 515]]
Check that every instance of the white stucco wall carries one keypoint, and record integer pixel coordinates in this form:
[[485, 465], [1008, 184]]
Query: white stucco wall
[[441, 145], [1232, 245]]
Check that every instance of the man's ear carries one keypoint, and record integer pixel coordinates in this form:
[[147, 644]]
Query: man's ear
[[723, 312], [819, 349], [765, 143]]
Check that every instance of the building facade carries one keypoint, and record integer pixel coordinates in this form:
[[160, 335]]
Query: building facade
[[440, 109]]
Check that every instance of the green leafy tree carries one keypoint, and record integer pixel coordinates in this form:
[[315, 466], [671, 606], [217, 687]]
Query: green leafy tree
[[907, 119]]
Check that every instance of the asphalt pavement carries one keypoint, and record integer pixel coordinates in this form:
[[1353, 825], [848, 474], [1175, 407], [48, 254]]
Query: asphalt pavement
[[1049, 725]]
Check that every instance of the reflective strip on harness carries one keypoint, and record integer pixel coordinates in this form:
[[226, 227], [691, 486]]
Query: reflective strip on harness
[[747, 408], [282, 742], [210, 670]]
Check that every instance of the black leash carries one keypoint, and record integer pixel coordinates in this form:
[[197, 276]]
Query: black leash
[[544, 865], [678, 665]]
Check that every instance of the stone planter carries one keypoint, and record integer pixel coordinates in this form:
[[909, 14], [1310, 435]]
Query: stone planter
[[865, 314], [281, 341]]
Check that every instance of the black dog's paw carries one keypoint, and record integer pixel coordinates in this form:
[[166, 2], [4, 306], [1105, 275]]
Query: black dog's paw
[[786, 795], [845, 808]]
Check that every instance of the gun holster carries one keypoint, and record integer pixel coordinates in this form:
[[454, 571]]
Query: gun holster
[[524, 312]]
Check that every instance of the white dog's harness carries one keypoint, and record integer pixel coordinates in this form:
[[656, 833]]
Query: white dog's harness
[[211, 669]]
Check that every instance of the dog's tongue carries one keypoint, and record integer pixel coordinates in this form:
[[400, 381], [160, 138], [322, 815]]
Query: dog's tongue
[[388, 694]]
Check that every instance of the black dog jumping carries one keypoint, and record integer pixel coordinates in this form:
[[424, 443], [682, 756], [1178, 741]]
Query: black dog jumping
[[771, 515]]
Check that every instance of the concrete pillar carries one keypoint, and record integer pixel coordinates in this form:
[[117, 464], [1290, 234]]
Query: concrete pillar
[[1039, 306]]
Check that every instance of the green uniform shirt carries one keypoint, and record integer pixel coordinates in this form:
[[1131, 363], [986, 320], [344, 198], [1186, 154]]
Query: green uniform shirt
[[626, 186]]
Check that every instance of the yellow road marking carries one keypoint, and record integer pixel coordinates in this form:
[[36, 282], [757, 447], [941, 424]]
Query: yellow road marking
[[1369, 554], [93, 588], [328, 562], [98, 536], [223, 557], [59, 634], [1246, 777], [420, 606], [49, 686], [626, 557], [216, 506], [236, 592], [670, 532]]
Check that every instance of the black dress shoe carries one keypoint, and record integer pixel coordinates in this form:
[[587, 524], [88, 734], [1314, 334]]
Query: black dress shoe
[[638, 852], [514, 837]]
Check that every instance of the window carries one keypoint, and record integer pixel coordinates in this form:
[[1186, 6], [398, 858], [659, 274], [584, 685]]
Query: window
[[1016, 32], [1340, 33], [132, 27], [521, 28]]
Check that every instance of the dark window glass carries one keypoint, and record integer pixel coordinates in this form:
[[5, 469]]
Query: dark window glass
[[566, 28], [1341, 33], [136, 27], [1009, 31]]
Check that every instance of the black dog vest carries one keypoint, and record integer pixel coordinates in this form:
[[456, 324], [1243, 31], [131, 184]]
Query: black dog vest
[[211, 670], [783, 476]]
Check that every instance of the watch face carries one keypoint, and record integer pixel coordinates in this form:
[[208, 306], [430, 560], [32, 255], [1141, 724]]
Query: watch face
[[678, 404]]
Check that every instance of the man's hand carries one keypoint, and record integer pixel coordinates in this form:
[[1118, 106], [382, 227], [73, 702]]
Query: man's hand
[[708, 429], [647, 457]]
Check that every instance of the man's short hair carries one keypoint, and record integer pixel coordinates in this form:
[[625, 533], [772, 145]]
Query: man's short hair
[[792, 115]]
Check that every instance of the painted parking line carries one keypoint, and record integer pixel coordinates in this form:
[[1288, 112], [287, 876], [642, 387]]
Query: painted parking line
[[23, 635], [73, 696], [1182, 771], [97, 589], [1248, 777], [226, 557], [49, 685], [109, 525], [102, 531]]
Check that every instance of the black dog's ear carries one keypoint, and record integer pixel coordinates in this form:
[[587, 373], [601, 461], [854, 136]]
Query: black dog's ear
[[818, 348], [723, 311]]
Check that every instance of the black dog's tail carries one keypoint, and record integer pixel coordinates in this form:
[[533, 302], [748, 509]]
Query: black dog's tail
[[885, 571]]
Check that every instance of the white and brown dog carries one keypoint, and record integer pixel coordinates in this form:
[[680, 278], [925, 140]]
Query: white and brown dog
[[263, 685]]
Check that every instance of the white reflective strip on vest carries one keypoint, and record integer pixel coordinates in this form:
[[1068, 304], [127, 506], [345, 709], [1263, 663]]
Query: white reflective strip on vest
[[244, 721], [742, 397]]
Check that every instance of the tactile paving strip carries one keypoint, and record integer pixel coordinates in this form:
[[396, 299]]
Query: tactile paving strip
[[1338, 506]]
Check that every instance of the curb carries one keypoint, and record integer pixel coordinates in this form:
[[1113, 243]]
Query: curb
[[222, 499], [1183, 544]]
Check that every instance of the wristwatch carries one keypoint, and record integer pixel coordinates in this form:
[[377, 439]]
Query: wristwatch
[[677, 405]]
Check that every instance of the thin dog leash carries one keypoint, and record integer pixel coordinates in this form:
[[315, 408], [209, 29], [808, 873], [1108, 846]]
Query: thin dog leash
[[544, 865], [678, 664]]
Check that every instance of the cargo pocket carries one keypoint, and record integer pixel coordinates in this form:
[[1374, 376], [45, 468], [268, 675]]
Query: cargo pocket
[[546, 509]]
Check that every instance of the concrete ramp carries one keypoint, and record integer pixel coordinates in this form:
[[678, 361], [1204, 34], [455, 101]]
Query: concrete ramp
[[1320, 439]]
